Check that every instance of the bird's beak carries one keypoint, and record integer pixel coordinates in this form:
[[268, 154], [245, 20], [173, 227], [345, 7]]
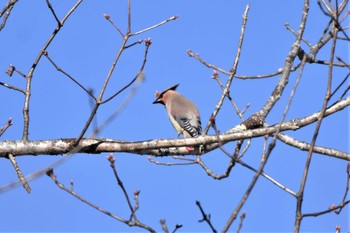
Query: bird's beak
[[157, 101]]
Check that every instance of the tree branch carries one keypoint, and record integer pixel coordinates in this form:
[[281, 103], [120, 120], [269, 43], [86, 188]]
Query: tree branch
[[160, 147]]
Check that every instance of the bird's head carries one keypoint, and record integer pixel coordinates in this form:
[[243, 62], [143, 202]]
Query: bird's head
[[161, 97]]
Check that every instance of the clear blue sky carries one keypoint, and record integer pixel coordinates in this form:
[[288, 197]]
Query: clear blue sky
[[86, 47]]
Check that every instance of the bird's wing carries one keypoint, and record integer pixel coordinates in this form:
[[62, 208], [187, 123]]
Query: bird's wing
[[188, 120]]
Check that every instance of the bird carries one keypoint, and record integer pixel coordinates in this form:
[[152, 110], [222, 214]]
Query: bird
[[182, 112]]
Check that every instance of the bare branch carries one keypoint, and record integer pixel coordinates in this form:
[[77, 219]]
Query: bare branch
[[239, 113], [332, 209], [51, 174], [103, 89], [210, 173], [139, 76], [197, 57], [132, 44], [269, 178], [129, 18], [46, 54], [13, 69], [232, 70], [177, 227], [306, 147], [241, 219], [19, 173], [34, 175], [158, 146], [206, 218], [346, 188], [8, 124], [164, 226], [295, 34], [29, 76], [115, 26], [7, 7], [6, 11], [12, 87], [155, 26], [300, 195], [171, 164], [111, 160], [265, 110], [53, 12], [123, 105]]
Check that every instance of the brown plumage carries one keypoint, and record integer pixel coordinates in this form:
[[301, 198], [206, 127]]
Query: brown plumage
[[183, 114]]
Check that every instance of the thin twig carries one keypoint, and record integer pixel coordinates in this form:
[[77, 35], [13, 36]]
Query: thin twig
[[226, 174], [295, 34], [306, 146], [177, 227], [120, 109], [12, 87], [332, 209], [139, 76], [103, 89], [136, 199], [115, 26], [99, 100], [346, 77], [53, 12], [13, 69], [197, 57], [269, 178], [327, 35], [155, 26], [6, 11], [7, 7], [29, 76], [346, 187], [132, 44], [129, 18], [245, 149], [300, 194], [111, 160], [241, 219], [232, 70], [46, 54], [164, 226], [239, 113], [216, 68], [328, 12], [34, 175], [169, 164], [51, 174], [206, 218], [19, 173], [263, 112], [8, 124], [238, 145]]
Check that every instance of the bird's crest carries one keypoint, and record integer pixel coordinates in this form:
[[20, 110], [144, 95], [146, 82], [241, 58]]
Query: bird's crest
[[158, 94]]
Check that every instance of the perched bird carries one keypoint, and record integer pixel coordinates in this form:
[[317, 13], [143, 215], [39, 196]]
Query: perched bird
[[183, 114]]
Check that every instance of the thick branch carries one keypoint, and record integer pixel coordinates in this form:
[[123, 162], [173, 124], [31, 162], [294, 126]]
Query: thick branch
[[160, 147]]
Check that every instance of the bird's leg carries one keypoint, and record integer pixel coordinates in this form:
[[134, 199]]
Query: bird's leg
[[189, 148]]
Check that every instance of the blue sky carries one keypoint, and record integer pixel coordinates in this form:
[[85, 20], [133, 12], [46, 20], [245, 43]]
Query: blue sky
[[85, 48]]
